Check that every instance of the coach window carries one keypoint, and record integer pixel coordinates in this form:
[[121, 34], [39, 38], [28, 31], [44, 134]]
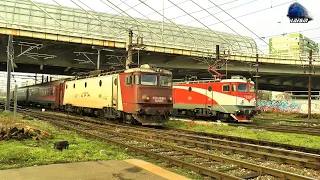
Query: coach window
[[85, 84], [136, 79], [128, 80], [226, 88], [67, 86], [74, 85], [100, 83], [190, 89], [209, 88]]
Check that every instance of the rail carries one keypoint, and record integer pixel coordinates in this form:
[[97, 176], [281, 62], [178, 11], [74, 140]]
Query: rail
[[124, 139]]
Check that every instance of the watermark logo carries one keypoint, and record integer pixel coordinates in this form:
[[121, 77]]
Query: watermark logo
[[298, 14]]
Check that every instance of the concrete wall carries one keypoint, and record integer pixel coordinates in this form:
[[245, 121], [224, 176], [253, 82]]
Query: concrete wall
[[282, 102]]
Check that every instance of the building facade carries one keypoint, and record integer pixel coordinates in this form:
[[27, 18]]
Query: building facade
[[292, 44]]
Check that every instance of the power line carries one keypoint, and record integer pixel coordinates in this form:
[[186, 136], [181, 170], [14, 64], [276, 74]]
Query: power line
[[206, 8], [312, 29], [240, 23], [219, 20], [219, 11], [253, 12]]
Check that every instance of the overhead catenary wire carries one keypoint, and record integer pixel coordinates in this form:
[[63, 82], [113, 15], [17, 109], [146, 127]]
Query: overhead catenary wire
[[220, 21], [239, 22], [182, 28], [216, 12], [243, 15]]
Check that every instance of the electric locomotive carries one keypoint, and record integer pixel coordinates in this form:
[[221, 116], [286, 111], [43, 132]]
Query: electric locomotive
[[141, 95], [218, 99]]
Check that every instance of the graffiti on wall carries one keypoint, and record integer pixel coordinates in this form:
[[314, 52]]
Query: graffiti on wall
[[278, 106], [288, 106]]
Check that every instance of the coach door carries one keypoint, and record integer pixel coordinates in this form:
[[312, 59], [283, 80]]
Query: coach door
[[115, 92]]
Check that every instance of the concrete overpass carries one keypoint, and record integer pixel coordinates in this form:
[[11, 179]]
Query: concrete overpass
[[59, 40]]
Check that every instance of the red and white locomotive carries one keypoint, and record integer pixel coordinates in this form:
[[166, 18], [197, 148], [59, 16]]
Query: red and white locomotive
[[137, 95], [221, 99]]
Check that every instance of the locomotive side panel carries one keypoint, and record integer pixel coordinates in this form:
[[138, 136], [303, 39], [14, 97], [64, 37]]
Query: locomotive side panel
[[192, 96], [128, 92], [93, 92]]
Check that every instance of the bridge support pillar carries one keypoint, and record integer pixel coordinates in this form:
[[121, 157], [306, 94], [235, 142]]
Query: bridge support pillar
[[9, 66]]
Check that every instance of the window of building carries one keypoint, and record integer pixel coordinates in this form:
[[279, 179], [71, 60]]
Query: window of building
[[226, 88]]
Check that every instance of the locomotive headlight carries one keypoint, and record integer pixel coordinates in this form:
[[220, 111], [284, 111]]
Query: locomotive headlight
[[145, 98], [170, 99]]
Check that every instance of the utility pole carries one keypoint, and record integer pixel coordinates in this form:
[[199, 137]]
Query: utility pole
[[256, 80], [9, 65], [217, 52], [15, 99], [310, 83], [129, 49]]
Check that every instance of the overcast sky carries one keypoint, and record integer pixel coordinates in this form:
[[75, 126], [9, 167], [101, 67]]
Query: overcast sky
[[269, 21]]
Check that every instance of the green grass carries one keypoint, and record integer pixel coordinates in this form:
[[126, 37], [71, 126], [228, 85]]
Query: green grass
[[15, 154], [289, 116], [286, 138]]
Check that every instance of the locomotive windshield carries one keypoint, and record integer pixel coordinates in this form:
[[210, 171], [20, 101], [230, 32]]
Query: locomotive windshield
[[243, 87], [165, 81], [149, 79]]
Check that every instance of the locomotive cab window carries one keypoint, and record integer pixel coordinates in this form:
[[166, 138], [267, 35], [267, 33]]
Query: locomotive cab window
[[136, 79], [252, 89], [149, 79], [226, 88], [242, 87], [165, 81], [128, 80], [234, 87]]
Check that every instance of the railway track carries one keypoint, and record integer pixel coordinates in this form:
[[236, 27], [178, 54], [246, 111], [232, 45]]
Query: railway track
[[289, 120], [189, 149], [229, 138], [315, 131]]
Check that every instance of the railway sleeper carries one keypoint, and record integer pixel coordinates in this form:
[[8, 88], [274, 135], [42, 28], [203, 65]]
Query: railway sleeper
[[252, 175]]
